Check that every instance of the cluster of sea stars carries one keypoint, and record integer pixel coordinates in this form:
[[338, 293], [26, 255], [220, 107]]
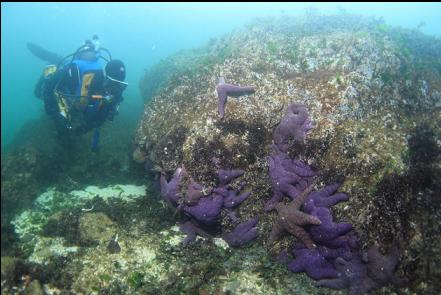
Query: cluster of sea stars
[[202, 206], [330, 252]]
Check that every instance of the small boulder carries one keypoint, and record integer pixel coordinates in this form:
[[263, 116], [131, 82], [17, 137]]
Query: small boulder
[[34, 288], [8, 265], [95, 228]]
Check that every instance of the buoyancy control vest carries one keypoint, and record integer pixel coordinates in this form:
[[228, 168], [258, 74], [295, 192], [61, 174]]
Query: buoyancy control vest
[[73, 89], [86, 72]]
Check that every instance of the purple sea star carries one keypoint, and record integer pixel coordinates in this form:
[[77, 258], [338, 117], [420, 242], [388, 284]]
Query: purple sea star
[[283, 257], [224, 90], [353, 275], [315, 262], [170, 190], [288, 177], [195, 191], [293, 126], [326, 232], [242, 234], [191, 230], [231, 197], [381, 268], [324, 198], [225, 176], [207, 210]]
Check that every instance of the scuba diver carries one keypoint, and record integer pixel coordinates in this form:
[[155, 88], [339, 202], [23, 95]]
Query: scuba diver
[[80, 94]]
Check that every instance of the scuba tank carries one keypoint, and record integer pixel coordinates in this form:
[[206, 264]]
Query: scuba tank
[[92, 48], [96, 42]]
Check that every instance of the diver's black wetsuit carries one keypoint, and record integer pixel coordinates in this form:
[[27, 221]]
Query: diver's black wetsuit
[[65, 81]]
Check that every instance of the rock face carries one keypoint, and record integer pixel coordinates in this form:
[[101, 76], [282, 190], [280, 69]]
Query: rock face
[[21, 174], [373, 93], [23, 177], [37, 158]]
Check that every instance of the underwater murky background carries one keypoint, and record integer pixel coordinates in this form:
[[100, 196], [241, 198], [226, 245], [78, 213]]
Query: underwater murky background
[[132, 218]]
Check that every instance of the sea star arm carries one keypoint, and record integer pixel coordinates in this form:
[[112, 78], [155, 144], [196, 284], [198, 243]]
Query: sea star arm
[[191, 230], [224, 90], [242, 234], [297, 265], [276, 231], [301, 234], [338, 283], [300, 199]]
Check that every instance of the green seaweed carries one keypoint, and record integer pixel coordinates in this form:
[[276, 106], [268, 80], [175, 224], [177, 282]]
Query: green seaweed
[[95, 288], [273, 48], [383, 28], [338, 79], [105, 277], [135, 279], [386, 77], [291, 52]]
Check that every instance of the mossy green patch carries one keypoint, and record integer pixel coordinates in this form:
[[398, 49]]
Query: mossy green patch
[[135, 279]]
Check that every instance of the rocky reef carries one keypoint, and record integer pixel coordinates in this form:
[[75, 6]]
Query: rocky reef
[[373, 93], [293, 156]]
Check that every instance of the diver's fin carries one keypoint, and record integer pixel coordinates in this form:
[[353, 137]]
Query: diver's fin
[[44, 54]]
